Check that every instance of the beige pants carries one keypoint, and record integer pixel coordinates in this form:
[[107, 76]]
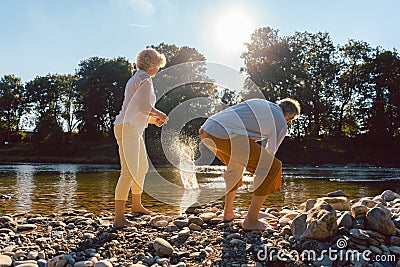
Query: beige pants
[[133, 159]]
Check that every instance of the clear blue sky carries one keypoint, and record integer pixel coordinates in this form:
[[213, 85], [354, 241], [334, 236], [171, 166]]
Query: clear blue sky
[[53, 36]]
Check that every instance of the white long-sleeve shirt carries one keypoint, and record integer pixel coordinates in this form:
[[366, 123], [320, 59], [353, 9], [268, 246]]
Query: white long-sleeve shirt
[[139, 100], [256, 118]]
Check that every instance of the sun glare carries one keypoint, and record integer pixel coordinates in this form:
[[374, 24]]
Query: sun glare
[[232, 30]]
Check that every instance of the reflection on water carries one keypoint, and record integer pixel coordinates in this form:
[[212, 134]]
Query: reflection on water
[[48, 188]]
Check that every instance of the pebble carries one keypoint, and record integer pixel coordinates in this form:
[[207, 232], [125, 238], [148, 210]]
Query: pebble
[[26, 227], [181, 223], [194, 227], [163, 247], [196, 220], [82, 239]]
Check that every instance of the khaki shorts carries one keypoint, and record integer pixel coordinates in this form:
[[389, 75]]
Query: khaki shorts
[[239, 153]]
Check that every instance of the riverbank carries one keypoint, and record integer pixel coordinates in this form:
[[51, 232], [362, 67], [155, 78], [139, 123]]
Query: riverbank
[[368, 228], [361, 150]]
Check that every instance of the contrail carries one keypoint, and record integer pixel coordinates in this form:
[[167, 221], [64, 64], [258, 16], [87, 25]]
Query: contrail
[[139, 25]]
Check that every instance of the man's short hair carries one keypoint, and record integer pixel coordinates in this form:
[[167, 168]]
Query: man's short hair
[[290, 108]]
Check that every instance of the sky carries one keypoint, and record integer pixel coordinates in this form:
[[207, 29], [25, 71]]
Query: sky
[[52, 36]]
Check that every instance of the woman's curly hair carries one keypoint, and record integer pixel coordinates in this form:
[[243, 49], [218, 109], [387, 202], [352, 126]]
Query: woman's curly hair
[[150, 58]]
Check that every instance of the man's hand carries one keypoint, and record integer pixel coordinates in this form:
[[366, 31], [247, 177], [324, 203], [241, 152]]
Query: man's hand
[[159, 123]]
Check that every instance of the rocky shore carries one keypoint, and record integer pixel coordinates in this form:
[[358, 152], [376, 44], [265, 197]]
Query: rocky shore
[[329, 231]]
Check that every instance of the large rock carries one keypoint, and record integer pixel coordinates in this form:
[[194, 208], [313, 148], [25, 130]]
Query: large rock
[[367, 202], [162, 247], [378, 219], [299, 225], [389, 195], [5, 261], [309, 204], [6, 219], [346, 220], [338, 203], [359, 211], [320, 222]]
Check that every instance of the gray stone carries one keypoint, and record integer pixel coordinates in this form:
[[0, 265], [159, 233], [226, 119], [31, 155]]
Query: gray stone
[[32, 255], [215, 221], [26, 227], [325, 261], [207, 216], [395, 241], [41, 262], [375, 234], [184, 232], [367, 202], [5, 261], [83, 264], [346, 220], [194, 227], [299, 225], [309, 204], [359, 211], [338, 203], [234, 235], [375, 250], [58, 261], [389, 195], [160, 224], [196, 220], [360, 234], [103, 263], [5, 219], [338, 193], [321, 222], [395, 250], [181, 223], [28, 263], [379, 220], [162, 247], [236, 242]]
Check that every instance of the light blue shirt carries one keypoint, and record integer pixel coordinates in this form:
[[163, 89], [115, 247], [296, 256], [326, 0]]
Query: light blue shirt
[[258, 119]]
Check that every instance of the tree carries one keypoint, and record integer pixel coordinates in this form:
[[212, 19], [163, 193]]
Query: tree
[[100, 87], [314, 70], [384, 71], [45, 99], [13, 104], [268, 62], [69, 103], [301, 66], [352, 81]]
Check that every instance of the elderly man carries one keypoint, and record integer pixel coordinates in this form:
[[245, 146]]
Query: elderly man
[[232, 135]]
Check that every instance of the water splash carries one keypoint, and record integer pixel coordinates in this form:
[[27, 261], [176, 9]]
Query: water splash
[[187, 167], [181, 152]]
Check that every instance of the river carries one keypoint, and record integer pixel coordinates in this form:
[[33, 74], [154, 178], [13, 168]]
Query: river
[[56, 188]]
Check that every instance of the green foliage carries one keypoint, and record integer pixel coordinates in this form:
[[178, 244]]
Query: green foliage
[[344, 90], [13, 105], [100, 89]]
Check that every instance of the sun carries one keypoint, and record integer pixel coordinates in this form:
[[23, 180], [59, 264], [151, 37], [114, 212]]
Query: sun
[[232, 29]]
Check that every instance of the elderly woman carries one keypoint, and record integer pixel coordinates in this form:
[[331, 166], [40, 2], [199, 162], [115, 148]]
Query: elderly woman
[[137, 112]]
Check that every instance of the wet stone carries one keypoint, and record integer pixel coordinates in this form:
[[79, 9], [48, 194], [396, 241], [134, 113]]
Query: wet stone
[[26, 227]]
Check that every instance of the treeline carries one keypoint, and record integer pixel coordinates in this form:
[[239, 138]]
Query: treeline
[[345, 90]]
